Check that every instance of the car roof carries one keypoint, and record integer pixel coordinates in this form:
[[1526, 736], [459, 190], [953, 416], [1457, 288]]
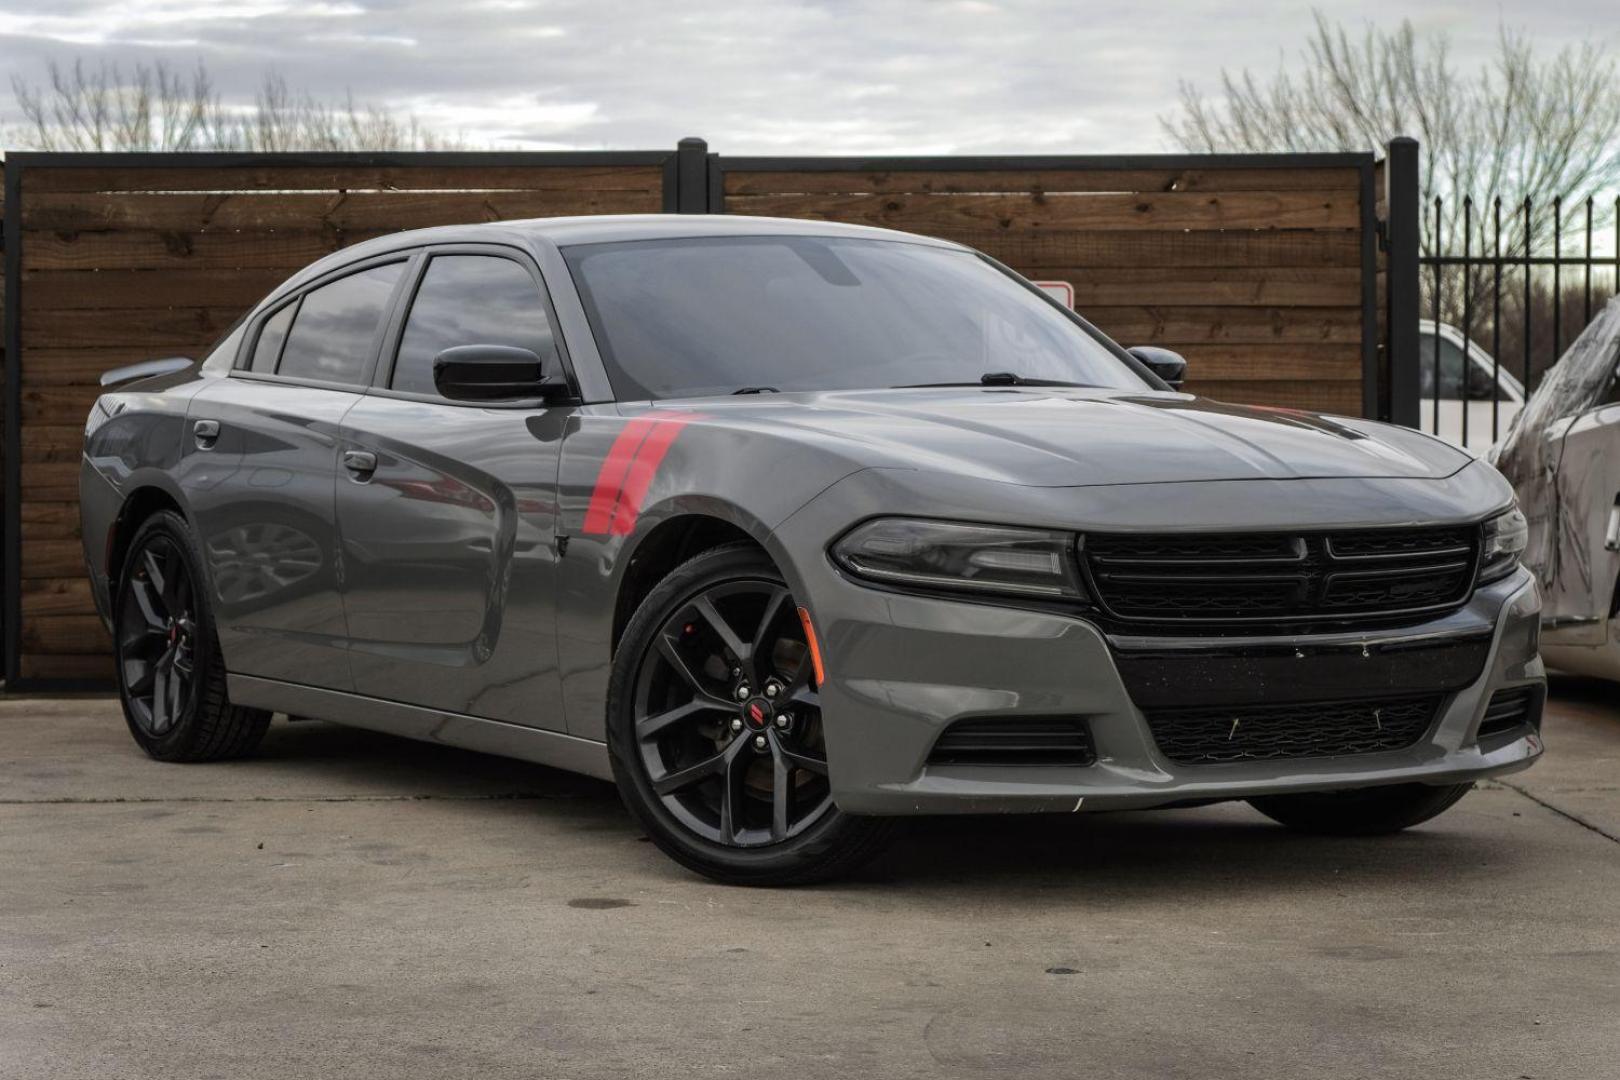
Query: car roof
[[599, 229]]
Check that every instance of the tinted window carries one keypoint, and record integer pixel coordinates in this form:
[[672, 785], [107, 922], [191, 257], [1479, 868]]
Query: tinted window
[[686, 317], [268, 349], [336, 326], [469, 300]]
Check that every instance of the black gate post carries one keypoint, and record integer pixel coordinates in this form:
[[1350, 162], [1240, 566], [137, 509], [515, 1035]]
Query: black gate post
[[692, 177], [1401, 196], [11, 560]]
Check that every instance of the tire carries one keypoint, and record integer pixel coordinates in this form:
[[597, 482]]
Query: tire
[[686, 750], [1374, 811], [171, 676]]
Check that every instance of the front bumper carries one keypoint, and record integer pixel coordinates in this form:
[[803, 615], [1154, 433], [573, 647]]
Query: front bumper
[[901, 668]]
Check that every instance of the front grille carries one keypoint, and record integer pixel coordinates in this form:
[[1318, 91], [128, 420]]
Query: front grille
[[1512, 709], [1202, 581], [1211, 736], [1015, 741]]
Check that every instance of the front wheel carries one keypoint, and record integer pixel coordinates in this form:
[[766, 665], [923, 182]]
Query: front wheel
[[1370, 811], [714, 729]]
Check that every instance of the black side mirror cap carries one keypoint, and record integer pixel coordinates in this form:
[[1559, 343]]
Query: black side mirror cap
[[1169, 366], [493, 373]]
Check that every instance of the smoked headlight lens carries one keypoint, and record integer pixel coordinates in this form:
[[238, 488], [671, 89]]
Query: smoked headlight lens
[[1505, 539], [914, 552]]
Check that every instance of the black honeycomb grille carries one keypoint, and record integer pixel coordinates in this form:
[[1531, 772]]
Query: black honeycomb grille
[[1211, 736], [1194, 581]]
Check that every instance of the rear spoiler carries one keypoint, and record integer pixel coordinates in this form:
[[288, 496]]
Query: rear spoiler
[[145, 370]]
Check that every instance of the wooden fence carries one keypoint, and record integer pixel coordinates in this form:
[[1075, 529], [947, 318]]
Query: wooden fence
[[1261, 269]]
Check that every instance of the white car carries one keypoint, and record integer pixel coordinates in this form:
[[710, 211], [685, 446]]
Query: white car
[[1563, 459], [1456, 393]]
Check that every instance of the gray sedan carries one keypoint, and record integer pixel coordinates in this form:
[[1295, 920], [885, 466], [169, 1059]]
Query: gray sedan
[[790, 529]]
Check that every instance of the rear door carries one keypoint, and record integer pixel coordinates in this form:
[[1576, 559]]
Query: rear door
[[260, 473], [448, 510]]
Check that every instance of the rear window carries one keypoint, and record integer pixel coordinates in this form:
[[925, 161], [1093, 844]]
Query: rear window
[[334, 333]]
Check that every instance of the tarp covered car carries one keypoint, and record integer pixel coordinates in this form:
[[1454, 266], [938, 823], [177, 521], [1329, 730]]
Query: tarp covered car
[[1562, 455]]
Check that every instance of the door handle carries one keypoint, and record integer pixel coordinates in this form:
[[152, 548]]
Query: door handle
[[361, 463], [206, 433]]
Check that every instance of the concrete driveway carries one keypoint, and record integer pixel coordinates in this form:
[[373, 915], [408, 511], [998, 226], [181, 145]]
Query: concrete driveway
[[347, 903]]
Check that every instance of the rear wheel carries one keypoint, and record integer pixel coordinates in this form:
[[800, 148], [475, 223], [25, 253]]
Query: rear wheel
[[1361, 811], [171, 679], [715, 733]]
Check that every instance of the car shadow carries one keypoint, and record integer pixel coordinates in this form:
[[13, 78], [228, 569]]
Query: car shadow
[[1195, 853]]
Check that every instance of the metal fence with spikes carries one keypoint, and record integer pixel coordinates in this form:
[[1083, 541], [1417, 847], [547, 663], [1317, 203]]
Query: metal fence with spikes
[[1506, 287]]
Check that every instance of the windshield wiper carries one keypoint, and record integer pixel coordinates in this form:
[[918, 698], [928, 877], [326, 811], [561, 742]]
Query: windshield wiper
[[999, 378]]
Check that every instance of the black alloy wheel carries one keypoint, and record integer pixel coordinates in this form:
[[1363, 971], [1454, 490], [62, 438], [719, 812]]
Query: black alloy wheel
[[715, 728], [157, 637], [171, 677], [727, 720]]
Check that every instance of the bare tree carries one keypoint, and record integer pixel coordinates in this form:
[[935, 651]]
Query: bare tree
[[1522, 127], [159, 107]]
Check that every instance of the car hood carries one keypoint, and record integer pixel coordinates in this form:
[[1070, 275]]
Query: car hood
[[1068, 438]]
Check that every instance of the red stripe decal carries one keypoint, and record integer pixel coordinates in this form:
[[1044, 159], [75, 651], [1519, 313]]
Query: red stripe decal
[[643, 467], [609, 481]]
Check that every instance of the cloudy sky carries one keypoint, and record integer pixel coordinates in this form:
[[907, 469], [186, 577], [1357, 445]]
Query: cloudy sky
[[752, 76]]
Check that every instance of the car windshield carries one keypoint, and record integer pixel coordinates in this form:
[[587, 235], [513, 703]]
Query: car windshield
[[692, 317]]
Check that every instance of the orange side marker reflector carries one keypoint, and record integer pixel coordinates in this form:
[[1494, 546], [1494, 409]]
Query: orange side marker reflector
[[815, 646]]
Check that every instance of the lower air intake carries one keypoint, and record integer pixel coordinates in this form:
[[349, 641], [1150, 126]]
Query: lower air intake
[[1015, 741], [1213, 736], [1511, 710]]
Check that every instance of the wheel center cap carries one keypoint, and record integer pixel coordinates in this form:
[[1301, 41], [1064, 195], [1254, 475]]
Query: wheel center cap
[[757, 713]]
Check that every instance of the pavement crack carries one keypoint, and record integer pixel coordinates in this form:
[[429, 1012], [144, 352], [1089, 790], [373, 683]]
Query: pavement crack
[[1561, 812]]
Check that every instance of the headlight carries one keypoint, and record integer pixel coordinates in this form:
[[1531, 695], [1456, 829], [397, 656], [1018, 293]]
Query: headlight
[[1505, 537], [974, 558]]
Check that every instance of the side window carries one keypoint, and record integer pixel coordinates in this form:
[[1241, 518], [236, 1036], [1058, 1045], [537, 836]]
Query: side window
[[469, 300], [336, 326], [267, 350]]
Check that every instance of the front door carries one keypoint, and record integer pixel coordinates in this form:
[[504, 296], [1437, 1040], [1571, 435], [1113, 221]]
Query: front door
[[448, 511]]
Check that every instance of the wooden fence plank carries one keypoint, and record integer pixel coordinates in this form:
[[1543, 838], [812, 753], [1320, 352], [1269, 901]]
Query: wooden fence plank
[[1261, 363], [314, 212], [647, 179], [1149, 325], [1155, 211], [65, 635], [86, 668], [101, 289], [52, 559], [58, 596], [160, 329], [1330, 396], [898, 181], [1234, 286], [1033, 252], [140, 249]]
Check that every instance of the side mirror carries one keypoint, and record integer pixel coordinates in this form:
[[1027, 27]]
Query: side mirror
[[1167, 365], [493, 373]]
